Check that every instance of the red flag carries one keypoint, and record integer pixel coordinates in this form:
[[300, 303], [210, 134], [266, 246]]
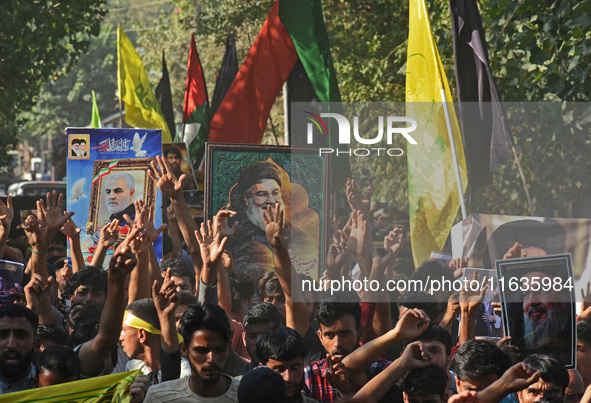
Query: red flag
[[242, 116], [196, 106]]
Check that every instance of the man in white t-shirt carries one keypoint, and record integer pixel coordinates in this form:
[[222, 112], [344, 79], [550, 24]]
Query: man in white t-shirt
[[206, 333]]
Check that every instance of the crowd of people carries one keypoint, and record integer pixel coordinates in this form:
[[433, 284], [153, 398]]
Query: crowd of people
[[201, 328]]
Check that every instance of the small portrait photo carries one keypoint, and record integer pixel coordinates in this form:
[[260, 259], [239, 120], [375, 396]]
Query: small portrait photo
[[117, 184], [487, 322], [538, 301], [178, 158], [78, 146]]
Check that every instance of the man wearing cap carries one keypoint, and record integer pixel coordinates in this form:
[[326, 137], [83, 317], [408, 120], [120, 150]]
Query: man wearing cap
[[259, 186]]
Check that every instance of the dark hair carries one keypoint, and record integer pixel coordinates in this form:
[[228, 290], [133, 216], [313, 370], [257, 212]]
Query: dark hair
[[84, 332], [433, 269], [260, 385], [421, 300], [476, 359], [551, 370], [181, 271], [82, 313], [431, 380], [173, 264], [186, 298], [331, 310], [584, 332], [280, 343], [145, 310], [51, 332], [173, 150], [269, 285], [205, 317], [241, 287], [261, 313], [436, 333], [404, 266], [60, 360], [19, 311], [88, 276], [59, 264]]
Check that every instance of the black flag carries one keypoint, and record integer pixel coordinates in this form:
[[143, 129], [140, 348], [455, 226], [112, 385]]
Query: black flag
[[164, 97], [484, 131], [226, 74]]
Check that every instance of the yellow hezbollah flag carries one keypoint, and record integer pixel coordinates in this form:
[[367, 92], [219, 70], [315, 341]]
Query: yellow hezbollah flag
[[433, 197], [103, 389], [141, 107]]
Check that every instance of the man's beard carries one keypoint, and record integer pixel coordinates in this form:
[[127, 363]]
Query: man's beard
[[256, 216], [115, 209], [298, 391], [13, 370], [207, 380], [538, 334]]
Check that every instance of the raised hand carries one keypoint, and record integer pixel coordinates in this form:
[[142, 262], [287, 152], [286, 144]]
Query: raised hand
[[166, 298], [514, 252], [34, 230], [337, 376], [222, 218], [394, 240], [123, 261], [109, 233], [336, 258], [359, 241], [6, 213], [412, 323], [37, 292], [166, 181], [52, 212], [510, 350], [70, 229], [358, 202], [415, 355], [518, 377], [210, 242], [457, 265], [273, 218], [469, 300], [586, 303]]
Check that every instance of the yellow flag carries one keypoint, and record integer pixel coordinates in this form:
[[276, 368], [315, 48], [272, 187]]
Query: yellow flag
[[108, 388], [432, 186], [141, 107]]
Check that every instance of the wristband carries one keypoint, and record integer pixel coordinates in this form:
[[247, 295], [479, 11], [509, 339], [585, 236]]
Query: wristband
[[38, 253]]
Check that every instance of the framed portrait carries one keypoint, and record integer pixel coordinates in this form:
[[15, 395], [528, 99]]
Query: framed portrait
[[116, 185], [488, 322], [178, 157], [79, 146], [249, 178], [538, 301]]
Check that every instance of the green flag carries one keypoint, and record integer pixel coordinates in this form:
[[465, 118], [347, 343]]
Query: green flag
[[95, 120]]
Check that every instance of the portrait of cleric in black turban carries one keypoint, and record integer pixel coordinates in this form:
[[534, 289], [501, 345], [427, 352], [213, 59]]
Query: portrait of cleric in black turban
[[260, 185]]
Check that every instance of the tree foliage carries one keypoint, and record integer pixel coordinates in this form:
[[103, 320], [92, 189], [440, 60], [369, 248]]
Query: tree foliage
[[39, 40], [539, 51]]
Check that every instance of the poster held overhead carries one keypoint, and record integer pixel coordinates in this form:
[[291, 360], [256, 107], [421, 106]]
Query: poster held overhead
[[538, 301]]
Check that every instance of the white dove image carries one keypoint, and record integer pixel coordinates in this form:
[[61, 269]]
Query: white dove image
[[138, 142], [77, 191]]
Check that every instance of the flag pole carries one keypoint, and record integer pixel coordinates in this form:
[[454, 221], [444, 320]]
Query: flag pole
[[119, 76], [453, 152]]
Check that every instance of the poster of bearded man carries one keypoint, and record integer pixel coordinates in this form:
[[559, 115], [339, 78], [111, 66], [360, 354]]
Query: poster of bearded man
[[538, 301]]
